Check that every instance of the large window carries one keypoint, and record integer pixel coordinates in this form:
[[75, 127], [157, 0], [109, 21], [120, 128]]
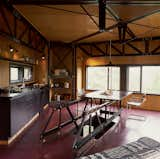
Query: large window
[[151, 79], [102, 78], [114, 78], [134, 74], [145, 79], [20, 72]]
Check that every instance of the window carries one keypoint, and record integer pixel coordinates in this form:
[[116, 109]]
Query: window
[[134, 78], [101, 78], [145, 79], [18, 72], [27, 73], [151, 79], [96, 78], [14, 74], [114, 78]]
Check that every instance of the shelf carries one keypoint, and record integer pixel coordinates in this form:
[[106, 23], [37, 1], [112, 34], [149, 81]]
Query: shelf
[[59, 88], [60, 76]]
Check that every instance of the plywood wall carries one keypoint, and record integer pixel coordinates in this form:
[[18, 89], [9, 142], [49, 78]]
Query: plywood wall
[[4, 73], [155, 59], [40, 73]]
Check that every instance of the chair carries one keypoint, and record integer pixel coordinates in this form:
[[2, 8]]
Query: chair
[[136, 101]]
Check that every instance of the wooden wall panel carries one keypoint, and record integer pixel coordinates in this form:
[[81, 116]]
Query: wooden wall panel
[[4, 73], [125, 60], [40, 73]]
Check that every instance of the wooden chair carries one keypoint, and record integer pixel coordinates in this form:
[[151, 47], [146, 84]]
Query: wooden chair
[[136, 101]]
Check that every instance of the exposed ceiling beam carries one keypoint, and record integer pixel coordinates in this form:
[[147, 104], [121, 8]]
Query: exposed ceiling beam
[[135, 48], [102, 15], [128, 40], [154, 50], [99, 49], [143, 16], [63, 2], [88, 14], [116, 49], [93, 34], [70, 11], [85, 37], [130, 32], [112, 13], [53, 2], [84, 50], [147, 46]]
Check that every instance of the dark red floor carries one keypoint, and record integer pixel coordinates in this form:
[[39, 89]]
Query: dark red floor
[[60, 147]]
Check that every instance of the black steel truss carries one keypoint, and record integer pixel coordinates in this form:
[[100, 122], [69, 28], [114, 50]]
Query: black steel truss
[[65, 2], [146, 43], [13, 33], [122, 26]]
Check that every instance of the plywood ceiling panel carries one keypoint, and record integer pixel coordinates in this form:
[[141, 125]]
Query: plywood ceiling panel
[[67, 23], [103, 36], [126, 12]]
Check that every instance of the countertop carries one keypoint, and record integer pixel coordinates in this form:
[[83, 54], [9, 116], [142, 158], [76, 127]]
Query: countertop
[[24, 91]]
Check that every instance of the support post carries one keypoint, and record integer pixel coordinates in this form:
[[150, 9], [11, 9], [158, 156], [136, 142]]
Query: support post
[[102, 15]]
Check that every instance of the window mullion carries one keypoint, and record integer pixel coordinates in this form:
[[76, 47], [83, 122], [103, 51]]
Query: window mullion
[[108, 78], [140, 79]]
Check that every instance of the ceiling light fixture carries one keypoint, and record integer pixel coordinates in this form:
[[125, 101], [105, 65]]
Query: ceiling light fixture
[[43, 57], [11, 49]]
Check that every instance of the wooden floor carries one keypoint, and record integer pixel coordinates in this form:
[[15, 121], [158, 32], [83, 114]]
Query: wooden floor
[[60, 147]]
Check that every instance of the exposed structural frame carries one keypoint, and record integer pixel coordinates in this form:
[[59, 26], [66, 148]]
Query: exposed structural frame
[[123, 28], [64, 2], [34, 39], [102, 48]]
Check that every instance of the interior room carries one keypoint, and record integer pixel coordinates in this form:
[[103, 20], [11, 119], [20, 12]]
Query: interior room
[[79, 79]]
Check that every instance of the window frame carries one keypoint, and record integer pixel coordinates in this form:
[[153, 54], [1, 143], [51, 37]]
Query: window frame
[[20, 72], [141, 72]]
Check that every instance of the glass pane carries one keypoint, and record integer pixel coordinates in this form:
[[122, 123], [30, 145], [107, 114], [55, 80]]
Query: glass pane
[[27, 73], [114, 78], [97, 78], [151, 79], [134, 78], [14, 74]]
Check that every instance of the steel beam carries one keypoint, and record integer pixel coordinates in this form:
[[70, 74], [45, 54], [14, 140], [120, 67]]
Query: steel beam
[[18, 41], [90, 16], [130, 32], [99, 49], [5, 19], [84, 50], [53, 2], [147, 44], [102, 15], [135, 48], [116, 49], [112, 13], [93, 34], [155, 50], [64, 2]]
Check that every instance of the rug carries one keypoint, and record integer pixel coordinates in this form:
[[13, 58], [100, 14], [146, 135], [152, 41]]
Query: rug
[[144, 148]]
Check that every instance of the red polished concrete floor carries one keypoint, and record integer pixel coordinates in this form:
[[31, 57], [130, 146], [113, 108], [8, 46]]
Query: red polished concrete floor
[[60, 147]]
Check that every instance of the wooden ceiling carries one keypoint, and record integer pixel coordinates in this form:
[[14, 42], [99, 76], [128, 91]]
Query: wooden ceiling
[[70, 23]]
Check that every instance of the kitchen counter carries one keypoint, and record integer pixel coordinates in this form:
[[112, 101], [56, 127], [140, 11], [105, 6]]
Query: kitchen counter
[[17, 109]]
